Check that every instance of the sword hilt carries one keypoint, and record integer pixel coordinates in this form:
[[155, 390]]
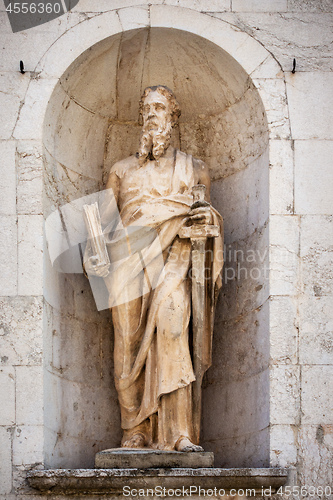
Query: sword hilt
[[198, 231]]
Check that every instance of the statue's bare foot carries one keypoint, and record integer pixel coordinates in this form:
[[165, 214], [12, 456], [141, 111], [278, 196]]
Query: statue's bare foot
[[184, 444], [136, 441]]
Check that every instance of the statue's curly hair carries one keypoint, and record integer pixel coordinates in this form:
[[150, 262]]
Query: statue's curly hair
[[166, 92]]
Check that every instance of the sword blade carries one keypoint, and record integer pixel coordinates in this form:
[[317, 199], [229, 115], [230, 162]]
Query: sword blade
[[198, 306]]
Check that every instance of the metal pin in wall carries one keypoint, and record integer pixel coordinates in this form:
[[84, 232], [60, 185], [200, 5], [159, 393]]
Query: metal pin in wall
[[294, 66], [22, 68]]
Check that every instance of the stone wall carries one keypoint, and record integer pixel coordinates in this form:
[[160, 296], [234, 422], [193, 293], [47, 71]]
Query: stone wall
[[286, 332]]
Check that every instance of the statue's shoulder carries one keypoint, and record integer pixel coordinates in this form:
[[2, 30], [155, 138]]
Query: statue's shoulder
[[197, 163], [120, 167], [201, 172]]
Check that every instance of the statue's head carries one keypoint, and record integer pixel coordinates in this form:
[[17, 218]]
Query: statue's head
[[159, 100], [159, 112]]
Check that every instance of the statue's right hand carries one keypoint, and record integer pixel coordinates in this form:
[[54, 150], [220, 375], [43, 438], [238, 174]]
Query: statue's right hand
[[93, 266]]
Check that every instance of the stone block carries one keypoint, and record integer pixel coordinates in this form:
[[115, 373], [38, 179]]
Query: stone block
[[5, 461], [269, 68], [310, 6], [315, 330], [317, 395], [316, 456], [24, 46], [202, 6], [28, 445], [29, 178], [273, 95], [7, 394], [259, 5], [310, 99], [284, 394], [33, 109], [30, 254], [313, 176], [7, 178], [8, 255], [281, 177], [284, 254], [134, 18], [283, 36], [316, 254], [80, 38], [104, 5], [283, 330], [21, 334], [14, 86], [283, 445], [29, 395]]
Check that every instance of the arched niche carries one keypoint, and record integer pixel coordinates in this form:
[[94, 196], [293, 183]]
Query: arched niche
[[91, 122]]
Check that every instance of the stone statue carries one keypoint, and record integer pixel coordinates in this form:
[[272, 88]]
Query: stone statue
[[158, 372]]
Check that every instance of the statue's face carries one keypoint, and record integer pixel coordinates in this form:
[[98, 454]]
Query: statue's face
[[156, 111]]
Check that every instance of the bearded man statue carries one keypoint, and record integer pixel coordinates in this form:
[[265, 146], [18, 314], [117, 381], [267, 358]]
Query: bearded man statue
[[150, 303]]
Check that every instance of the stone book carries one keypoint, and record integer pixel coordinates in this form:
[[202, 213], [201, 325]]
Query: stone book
[[95, 234]]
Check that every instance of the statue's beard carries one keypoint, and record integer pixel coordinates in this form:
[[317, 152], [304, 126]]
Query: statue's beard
[[153, 142]]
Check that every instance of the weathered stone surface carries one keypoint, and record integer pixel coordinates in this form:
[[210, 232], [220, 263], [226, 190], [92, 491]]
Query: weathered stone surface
[[284, 391], [283, 446], [30, 254], [24, 47], [313, 177], [259, 5], [283, 329], [5, 461], [28, 445], [29, 177], [145, 459], [284, 255], [130, 19], [7, 394], [114, 480], [34, 105], [281, 177], [21, 335], [289, 35], [310, 101], [316, 254], [273, 95], [7, 178], [316, 456], [29, 395], [13, 88], [317, 394], [316, 326], [80, 38], [8, 255], [248, 418], [104, 5], [310, 5]]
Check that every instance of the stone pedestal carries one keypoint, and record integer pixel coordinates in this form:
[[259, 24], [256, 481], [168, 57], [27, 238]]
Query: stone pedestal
[[122, 458]]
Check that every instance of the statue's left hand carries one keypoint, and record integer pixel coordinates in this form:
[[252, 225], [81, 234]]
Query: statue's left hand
[[201, 215]]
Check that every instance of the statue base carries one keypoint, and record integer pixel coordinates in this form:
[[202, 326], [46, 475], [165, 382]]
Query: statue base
[[136, 458]]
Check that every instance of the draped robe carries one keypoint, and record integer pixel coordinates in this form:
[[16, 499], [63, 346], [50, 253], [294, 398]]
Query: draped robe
[[149, 284]]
